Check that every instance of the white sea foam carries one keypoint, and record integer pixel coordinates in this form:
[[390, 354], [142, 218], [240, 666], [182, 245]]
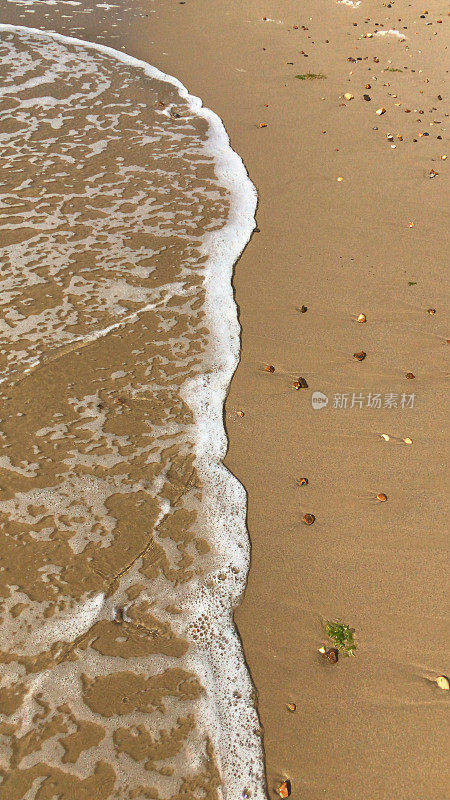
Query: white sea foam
[[229, 715]]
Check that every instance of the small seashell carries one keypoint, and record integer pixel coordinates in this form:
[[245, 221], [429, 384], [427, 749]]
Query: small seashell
[[302, 481], [284, 789], [269, 368], [291, 706], [240, 414], [309, 519], [340, 179], [380, 111], [444, 158], [362, 318], [443, 682], [348, 96], [385, 437], [407, 440], [300, 384], [410, 375], [368, 86], [382, 497], [331, 654], [263, 124], [431, 311], [360, 356]]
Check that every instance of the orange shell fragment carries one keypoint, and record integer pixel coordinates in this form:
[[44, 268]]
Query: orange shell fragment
[[284, 789], [302, 481], [362, 318], [443, 682], [269, 368], [309, 519], [410, 375], [300, 384], [360, 356], [240, 414], [382, 497], [291, 706]]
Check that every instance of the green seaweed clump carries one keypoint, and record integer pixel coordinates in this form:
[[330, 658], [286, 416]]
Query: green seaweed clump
[[311, 76], [342, 637]]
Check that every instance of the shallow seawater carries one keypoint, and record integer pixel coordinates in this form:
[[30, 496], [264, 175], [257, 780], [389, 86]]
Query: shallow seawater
[[123, 541]]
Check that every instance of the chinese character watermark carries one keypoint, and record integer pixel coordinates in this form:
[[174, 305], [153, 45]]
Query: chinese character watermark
[[340, 400]]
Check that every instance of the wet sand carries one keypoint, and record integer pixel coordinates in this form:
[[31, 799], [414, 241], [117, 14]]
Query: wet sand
[[374, 725]]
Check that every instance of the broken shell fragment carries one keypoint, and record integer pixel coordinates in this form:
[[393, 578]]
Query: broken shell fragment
[[269, 368], [300, 384], [380, 111], [382, 497], [309, 519], [240, 414], [410, 375], [362, 318], [331, 654], [348, 96], [302, 481], [407, 440], [284, 789], [303, 309], [263, 124], [340, 179], [291, 706], [360, 356], [443, 682], [431, 311], [385, 436]]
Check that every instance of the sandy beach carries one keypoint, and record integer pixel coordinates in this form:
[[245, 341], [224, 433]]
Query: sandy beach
[[339, 114]]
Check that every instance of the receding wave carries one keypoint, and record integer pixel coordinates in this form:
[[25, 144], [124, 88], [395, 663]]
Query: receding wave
[[124, 547]]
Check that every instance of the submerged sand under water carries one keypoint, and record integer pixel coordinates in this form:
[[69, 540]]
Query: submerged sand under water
[[122, 536]]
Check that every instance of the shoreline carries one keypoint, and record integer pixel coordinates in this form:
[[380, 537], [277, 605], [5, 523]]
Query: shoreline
[[372, 725]]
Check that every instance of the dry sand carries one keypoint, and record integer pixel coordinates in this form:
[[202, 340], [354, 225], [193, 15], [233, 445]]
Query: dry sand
[[372, 726]]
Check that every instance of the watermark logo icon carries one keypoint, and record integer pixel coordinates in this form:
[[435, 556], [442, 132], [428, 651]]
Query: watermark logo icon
[[319, 400]]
